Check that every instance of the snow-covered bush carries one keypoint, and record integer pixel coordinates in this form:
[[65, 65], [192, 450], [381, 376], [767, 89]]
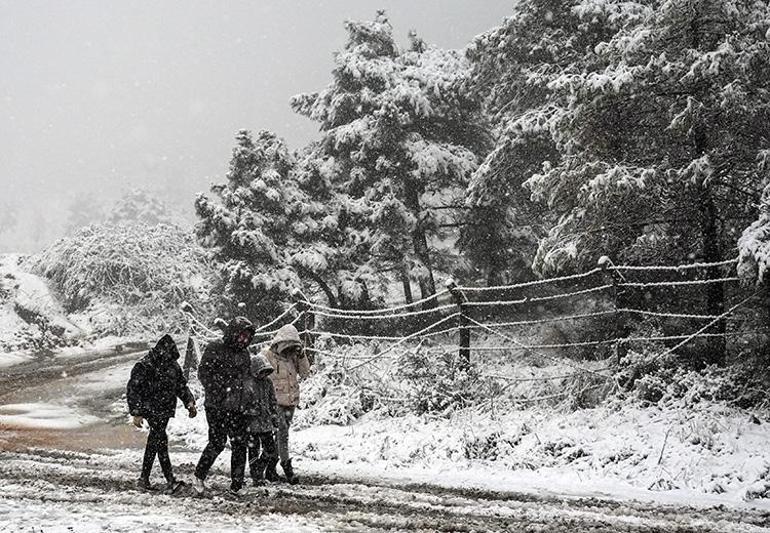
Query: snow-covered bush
[[754, 244], [328, 397], [669, 381], [435, 382], [128, 278]]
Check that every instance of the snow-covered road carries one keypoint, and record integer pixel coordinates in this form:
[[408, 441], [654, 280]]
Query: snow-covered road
[[68, 463], [53, 489]]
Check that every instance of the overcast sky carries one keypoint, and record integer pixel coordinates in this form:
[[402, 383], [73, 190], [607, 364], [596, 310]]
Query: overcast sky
[[102, 96]]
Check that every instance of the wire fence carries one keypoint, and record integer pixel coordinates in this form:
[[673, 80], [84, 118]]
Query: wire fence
[[597, 316]]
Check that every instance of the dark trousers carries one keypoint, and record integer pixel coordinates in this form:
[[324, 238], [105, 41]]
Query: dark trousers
[[223, 425], [257, 463], [285, 416], [157, 444]]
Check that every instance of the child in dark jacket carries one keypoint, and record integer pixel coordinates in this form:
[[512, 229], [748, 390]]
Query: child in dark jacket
[[155, 384], [259, 408]]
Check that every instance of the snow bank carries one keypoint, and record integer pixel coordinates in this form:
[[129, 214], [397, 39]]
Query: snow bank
[[34, 298], [30, 316], [127, 279], [708, 452]]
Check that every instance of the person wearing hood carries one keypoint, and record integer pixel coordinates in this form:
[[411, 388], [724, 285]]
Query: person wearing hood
[[155, 384], [260, 408], [222, 369], [289, 361]]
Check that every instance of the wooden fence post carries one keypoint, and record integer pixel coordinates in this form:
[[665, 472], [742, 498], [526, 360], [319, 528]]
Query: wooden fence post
[[306, 323], [190, 364], [618, 330], [465, 333]]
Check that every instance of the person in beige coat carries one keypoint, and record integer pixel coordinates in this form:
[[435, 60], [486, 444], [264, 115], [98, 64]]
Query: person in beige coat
[[289, 361]]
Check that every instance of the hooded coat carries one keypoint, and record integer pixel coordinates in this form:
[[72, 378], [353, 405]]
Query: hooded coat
[[287, 369], [223, 367], [259, 402], [157, 381]]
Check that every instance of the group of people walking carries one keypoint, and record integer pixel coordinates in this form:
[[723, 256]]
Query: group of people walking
[[249, 400]]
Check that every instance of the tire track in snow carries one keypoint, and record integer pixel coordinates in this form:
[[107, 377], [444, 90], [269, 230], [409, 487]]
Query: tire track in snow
[[71, 477]]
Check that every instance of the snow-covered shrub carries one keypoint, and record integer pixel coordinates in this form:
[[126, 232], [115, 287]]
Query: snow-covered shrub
[[328, 396], [490, 446], [127, 278], [5, 292], [670, 381], [435, 382], [754, 243], [759, 489]]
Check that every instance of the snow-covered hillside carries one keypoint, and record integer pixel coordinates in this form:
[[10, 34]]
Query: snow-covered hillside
[[31, 318]]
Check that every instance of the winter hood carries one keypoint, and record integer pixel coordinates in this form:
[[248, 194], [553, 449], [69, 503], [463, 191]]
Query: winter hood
[[165, 349], [236, 326], [259, 363], [286, 336]]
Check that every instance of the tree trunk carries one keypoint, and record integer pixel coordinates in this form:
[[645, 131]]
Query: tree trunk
[[493, 276], [419, 239], [420, 243], [330, 296], [407, 284], [715, 292]]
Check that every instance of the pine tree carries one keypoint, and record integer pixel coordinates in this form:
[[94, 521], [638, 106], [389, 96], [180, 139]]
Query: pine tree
[[660, 149], [402, 138], [277, 227], [513, 66], [247, 222], [333, 250]]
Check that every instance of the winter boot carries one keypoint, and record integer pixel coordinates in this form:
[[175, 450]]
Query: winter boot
[[270, 472], [289, 471], [199, 486], [173, 485], [235, 488], [144, 484]]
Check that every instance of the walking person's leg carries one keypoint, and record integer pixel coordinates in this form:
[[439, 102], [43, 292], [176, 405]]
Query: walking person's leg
[[253, 449], [217, 421], [159, 426], [268, 447], [236, 431], [267, 444], [150, 451], [281, 440], [285, 416]]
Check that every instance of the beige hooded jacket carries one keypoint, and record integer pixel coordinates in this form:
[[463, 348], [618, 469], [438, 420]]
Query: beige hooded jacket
[[287, 370]]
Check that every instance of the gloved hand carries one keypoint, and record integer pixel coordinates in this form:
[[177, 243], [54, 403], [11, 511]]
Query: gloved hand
[[192, 410], [138, 421]]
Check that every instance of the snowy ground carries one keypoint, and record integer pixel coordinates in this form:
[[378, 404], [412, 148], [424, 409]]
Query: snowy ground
[[69, 461], [708, 456], [95, 490], [30, 311]]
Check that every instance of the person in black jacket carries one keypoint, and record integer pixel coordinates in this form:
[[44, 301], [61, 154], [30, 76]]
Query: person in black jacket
[[261, 410], [221, 372], [155, 384]]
